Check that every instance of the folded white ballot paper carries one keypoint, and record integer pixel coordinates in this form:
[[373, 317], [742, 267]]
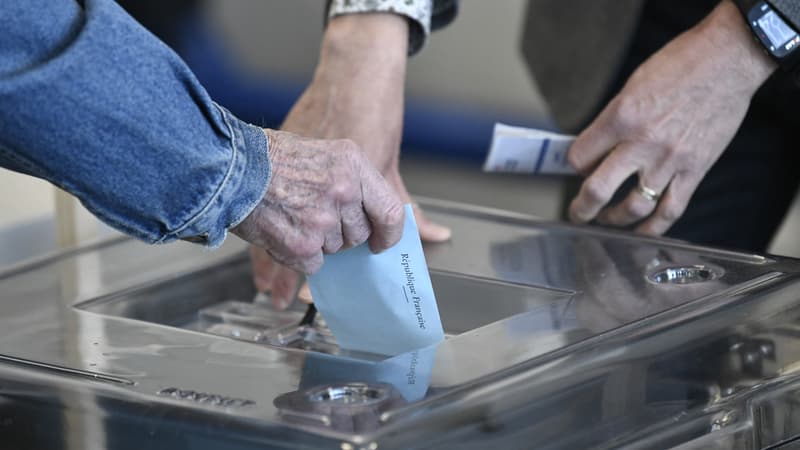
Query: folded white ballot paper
[[527, 150], [379, 303]]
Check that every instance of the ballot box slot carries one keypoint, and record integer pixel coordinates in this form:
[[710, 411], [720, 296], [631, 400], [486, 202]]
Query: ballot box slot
[[221, 301]]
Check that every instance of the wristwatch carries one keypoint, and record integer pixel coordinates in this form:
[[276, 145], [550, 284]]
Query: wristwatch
[[773, 32]]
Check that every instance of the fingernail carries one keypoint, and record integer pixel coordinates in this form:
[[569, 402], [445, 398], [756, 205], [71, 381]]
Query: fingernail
[[261, 297], [436, 233], [280, 303], [304, 294], [574, 217]]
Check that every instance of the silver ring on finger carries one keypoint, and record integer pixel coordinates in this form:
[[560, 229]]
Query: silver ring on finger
[[646, 192]]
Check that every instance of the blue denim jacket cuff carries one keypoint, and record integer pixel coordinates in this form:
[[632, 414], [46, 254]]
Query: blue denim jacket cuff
[[243, 187]]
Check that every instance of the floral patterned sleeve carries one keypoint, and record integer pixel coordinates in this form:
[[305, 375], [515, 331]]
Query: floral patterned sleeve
[[421, 14]]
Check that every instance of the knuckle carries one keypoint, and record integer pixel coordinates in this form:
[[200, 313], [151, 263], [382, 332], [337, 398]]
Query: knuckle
[[391, 214], [322, 223], [626, 110], [304, 248], [344, 190], [672, 151], [650, 135]]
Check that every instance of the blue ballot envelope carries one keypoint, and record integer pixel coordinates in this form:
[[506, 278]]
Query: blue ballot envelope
[[379, 303]]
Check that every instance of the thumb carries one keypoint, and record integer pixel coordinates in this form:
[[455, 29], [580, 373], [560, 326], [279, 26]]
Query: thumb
[[429, 231], [383, 207]]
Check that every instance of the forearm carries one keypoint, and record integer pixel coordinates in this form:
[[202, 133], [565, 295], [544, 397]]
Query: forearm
[[369, 47], [95, 104], [357, 90], [745, 61]]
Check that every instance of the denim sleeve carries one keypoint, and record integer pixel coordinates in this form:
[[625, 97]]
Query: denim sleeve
[[92, 102]]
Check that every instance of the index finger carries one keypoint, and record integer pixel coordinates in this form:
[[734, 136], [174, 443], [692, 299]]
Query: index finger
[[598, 189], [383, 208], [594, 142]]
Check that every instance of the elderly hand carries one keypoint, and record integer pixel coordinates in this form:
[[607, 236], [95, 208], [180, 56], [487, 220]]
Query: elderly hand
[[323, 196], [669, 124], [356, 93]]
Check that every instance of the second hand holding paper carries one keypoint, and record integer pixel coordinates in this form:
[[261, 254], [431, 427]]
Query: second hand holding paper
[[528, 150], [379, 303]]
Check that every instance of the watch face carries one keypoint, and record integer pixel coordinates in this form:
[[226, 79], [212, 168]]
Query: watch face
[[777, 36]]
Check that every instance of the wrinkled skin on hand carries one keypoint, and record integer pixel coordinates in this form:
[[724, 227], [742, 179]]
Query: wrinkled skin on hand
[[669, 124], [323, 196], [356, 93]]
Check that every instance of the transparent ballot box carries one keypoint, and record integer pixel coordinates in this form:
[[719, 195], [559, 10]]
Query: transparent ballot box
[[557, 337]]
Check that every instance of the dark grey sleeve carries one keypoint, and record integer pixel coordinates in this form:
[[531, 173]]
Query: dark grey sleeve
[[444, 11], [790, 9]]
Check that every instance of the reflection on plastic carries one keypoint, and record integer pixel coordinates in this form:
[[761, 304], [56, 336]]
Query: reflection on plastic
[[409, 373], [379, 303], [352, 395], [538, 260]]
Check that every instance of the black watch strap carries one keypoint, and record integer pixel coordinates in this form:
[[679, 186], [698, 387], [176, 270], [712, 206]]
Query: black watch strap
[[789, 10], [774, 32]]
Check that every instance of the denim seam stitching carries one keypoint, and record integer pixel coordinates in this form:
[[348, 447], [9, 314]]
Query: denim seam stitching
[[215, 196], [264, 190], [23, 162]]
